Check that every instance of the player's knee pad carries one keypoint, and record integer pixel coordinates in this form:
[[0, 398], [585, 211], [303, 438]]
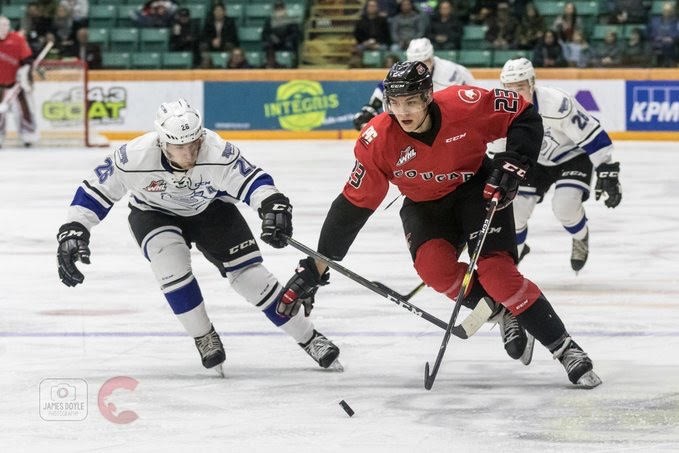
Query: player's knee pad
[[436, 264], [171, 264], [567, 205], [256, 284], [523, 206], [504, 283]]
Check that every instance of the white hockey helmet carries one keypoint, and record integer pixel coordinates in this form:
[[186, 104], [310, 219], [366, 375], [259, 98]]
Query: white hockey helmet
[[420, 49], [517, 70], [178, 123], [5, 27]]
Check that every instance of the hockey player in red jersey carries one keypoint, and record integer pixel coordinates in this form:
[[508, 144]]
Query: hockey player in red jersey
[[432, 147], [15, 67]]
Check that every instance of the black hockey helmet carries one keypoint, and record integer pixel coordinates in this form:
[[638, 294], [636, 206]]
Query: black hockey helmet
[[407, 78]]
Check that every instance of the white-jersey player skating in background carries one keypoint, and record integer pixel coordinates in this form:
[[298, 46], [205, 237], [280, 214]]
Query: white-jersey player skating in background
[[574, 144], [444, 73], [183, 182]]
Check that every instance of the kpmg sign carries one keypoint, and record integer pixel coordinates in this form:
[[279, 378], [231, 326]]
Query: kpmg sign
[[652, 105]]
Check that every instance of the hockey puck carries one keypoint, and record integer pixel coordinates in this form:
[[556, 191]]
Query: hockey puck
[[347, 409]]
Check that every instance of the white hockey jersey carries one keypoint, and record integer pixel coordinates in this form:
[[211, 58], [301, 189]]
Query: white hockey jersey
[[569, 130], [444, 74], [140, 169]]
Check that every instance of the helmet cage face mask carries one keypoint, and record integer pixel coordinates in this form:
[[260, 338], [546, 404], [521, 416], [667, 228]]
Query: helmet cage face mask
[[178, 123], [5, 27]]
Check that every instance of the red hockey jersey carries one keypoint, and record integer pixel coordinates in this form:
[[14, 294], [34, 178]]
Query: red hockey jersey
[[471, 117], [13, 49]]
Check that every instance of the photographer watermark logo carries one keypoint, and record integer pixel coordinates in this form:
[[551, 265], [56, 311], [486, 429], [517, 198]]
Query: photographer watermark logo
[[63, 399]]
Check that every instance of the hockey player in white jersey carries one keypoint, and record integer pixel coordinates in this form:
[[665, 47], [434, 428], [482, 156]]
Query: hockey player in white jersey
[[184, 181], [574, 144], [444, 73]]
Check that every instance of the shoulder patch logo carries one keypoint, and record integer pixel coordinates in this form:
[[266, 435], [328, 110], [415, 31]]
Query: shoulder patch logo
[[470, 95], [368, 135], [156, 186], [407, 154], [228, 150], [122, 154]]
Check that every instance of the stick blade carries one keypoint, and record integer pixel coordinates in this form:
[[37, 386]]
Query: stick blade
[[428, 381]]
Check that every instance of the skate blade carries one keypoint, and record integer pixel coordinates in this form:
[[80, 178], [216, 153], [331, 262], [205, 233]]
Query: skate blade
[[336, 366], [219, 369], [527, 355], [589, 380]]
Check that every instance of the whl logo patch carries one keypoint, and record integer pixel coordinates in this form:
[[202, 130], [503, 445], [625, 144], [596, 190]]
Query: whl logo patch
[[407, 155], [156, 186]]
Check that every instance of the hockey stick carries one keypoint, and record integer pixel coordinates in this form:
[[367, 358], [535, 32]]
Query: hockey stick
[[467, 328], [485, 227], [14, 91]]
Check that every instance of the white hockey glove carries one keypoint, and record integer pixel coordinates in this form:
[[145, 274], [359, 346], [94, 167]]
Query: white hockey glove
[[24, 78]]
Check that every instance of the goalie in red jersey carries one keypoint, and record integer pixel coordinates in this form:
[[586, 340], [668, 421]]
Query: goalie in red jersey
[[16, 60], [432, 147]]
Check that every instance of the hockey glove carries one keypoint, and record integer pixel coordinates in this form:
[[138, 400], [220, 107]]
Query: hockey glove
[[276, 215], [508, 171], [74, 240], [607, 183], [366, 114], [301, 289]]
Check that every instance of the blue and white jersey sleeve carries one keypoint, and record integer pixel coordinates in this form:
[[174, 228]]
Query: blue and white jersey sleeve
[[96, 195]]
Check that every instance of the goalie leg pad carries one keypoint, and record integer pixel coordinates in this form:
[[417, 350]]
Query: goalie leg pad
[[436, 264], [504, 283]]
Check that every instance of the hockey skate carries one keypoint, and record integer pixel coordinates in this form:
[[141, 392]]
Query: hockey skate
[[524, 251], [577, 364], [323, 351], [517, 342], [211, 351], [579, 253]]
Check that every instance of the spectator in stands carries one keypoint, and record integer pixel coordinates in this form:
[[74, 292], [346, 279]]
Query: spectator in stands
[[35, 27], [566, 23], [577, 52], [531, 28], [184, 36], [461, 10], [390, 60], [548, 53], [482, 13], [629, 12], [281, 33], [220, 33], [502, 29], [408, 24], [372, 30], [637, 52], [48, 8], [608, 54], [388, 8], [62, 27], [663, 32], [445, 29], [237, 60], [156, 14], [79, 11], [84, 50]]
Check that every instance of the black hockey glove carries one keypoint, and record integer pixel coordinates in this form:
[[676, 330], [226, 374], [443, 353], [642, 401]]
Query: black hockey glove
[[366, 114], [74, 240], [607, 183], [301, 288], [276, 215], [508, 171]]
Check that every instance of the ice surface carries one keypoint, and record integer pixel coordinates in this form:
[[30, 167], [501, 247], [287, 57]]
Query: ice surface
[[622, 308]]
